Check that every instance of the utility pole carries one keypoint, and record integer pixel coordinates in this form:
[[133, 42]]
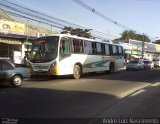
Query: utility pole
[[51, 29], [143, 47], [27, 30]]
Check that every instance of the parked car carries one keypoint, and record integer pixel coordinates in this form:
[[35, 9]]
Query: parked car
[[148, 64], [135, 65], [12, 74], [156, 62]]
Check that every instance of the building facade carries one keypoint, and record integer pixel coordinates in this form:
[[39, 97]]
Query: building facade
[[14, 42], [15, 47], [135, 49]]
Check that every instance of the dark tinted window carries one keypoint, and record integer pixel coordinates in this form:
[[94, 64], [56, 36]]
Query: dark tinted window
[[99, 48], [78, 46], [146, 62], [45, 49], [120, 50], [114, 50], [107, 49], [134, 62], [88, 47], [6, 65], [103, 48]]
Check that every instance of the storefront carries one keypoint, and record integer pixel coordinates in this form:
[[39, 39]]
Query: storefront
[[14, 48], [14, 43], [133, 50]]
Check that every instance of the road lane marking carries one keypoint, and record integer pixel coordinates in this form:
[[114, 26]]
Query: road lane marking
[[129, 92], [156, 84], [138, 92]]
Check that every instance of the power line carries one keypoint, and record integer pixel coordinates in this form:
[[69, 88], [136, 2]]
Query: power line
[[23, 12], [7, 15], [22, 16], [100, 14], [31, 15]]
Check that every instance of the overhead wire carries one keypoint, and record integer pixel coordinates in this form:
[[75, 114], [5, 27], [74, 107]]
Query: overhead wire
[[34, 15], [100, 14]]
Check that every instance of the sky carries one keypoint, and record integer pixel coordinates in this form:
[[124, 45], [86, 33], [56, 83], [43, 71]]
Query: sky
[[140, 15]]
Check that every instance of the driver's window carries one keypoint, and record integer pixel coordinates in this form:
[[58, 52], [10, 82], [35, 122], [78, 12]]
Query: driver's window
[[65, 47]]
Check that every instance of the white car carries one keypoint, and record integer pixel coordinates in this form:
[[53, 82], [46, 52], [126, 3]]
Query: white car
[[148, 64], [135, 65], [156, 62]]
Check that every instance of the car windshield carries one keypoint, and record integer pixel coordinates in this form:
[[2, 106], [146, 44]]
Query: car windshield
[[146, 62], [44, 49], [134, 62]]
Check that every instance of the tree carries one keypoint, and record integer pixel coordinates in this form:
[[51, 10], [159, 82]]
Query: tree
[[77, 31], [157, 42], [130, 34]]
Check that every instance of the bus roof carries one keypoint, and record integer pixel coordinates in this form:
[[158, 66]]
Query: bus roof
[[73, 36], [77, 37]]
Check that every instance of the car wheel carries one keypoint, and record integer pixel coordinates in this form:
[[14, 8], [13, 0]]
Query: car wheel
[[77, 71], [16, 81]]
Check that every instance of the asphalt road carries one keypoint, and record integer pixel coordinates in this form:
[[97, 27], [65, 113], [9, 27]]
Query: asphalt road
[[87, 97]]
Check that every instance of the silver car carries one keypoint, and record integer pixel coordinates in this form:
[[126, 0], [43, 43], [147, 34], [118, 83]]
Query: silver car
[[148, 64], [135, 65]]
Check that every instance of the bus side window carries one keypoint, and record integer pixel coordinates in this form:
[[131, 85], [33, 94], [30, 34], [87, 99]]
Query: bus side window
[[65, 47], [107, 50], [111, 49], [120, 50], [78, 46], [114, 50]]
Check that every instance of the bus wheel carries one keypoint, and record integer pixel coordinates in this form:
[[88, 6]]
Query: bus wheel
[[111, 68], [77, 71]]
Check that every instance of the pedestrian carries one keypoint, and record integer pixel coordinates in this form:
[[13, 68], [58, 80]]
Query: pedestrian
[[26, 61]]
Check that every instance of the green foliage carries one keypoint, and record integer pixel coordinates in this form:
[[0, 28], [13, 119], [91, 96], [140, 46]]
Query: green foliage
[[130, 34], [77, 31]]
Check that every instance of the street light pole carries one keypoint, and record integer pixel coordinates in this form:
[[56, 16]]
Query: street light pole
[[143, 47]]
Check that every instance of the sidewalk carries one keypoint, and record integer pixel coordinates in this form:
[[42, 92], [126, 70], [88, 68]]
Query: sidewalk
[[144, 103]]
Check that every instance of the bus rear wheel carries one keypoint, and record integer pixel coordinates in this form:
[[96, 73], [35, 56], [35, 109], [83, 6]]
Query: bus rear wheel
[[77, 71]]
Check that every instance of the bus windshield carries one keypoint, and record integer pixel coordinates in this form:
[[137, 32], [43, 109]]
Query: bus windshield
[[44, 49]]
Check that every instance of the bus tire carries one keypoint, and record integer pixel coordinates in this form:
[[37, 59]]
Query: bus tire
[[77, 71], [111, 68]]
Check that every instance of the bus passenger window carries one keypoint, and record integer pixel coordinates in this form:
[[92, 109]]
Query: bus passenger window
[[115, 50], [107, 50], [65, 47], [88, 47], [99, 48], [78, 46], [120, 50]]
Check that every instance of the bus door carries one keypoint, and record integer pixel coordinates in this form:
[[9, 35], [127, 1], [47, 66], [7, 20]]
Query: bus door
[[65, 53], [120, 57], [65, 48]]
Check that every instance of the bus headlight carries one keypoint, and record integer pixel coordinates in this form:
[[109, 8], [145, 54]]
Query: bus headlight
[[51, 69]]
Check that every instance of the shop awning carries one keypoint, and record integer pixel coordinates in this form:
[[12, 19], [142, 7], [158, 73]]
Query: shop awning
[[135, 56], [28, 43], [10, 41]]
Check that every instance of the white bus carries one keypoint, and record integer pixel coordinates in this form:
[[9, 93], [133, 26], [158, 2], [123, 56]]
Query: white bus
[[63, 54]]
